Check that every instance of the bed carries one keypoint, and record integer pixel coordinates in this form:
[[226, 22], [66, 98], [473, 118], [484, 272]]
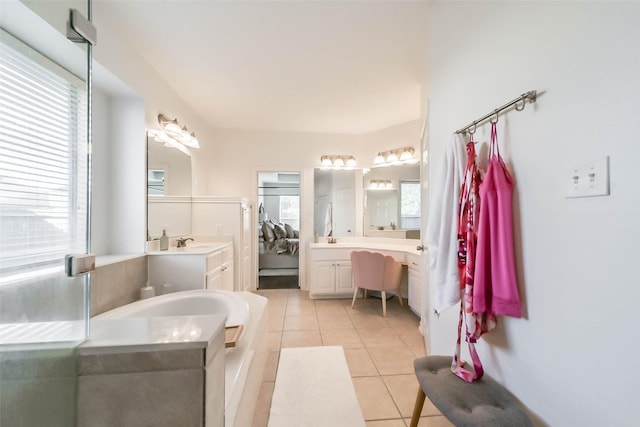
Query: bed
[[278, 246]]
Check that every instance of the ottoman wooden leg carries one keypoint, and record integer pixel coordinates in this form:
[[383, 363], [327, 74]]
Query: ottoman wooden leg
[[417, 408]]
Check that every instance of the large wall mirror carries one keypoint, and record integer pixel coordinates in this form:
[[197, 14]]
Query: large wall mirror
[[392, 202], [387, 206], [168, 190], [335, 202]]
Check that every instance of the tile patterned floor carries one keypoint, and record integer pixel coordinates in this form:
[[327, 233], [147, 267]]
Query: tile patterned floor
[[379, 351]]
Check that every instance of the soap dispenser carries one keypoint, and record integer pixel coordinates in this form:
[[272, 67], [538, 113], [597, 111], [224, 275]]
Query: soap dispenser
[[164, 241]]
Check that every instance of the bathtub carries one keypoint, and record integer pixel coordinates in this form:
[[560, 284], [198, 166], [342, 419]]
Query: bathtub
[[188, 303], [244, 363]]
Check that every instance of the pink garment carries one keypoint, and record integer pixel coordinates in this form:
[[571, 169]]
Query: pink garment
[[495, 289], [476, 324]]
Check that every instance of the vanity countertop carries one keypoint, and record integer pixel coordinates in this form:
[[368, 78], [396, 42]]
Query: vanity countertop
[[136, 334], [200, 248], [409, 248]]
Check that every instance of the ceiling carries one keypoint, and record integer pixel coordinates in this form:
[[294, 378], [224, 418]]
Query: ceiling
[[324, 66]]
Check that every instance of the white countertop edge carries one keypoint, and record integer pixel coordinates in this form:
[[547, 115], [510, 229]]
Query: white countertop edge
[[410, 249], [201, 249], [138, 334]]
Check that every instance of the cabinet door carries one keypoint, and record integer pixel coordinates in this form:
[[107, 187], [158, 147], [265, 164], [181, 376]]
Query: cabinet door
[[226, 272], [344, 277], [414, 287], [215, 260], [324, 278], [214, 279]]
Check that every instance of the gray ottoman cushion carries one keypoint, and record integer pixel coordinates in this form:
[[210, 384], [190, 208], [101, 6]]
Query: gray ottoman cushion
[[483, 402]]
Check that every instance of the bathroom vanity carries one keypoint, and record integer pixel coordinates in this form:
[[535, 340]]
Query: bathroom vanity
[[330, 266], [205, 266]]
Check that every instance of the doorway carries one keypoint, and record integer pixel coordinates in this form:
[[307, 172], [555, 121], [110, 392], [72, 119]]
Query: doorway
[[278, 230]]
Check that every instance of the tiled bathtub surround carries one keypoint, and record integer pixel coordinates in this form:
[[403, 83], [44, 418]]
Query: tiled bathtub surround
[[379, 351], [151, 382], [116, 284], [38, 386]]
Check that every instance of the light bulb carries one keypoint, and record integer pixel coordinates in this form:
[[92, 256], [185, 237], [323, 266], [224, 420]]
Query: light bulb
[[194, 141], [173, 126], [407, 154]]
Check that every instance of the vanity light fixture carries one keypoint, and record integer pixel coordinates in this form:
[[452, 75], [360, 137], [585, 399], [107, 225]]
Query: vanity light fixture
[[347, 162], [168, 141], [380, 184], [177, 132], [399, 156]]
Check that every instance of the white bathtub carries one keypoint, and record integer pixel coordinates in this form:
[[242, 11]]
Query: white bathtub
[[244, 363], [188, 303]]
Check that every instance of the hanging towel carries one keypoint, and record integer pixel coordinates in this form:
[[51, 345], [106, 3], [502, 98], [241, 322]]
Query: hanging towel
[[496, 286], [328, 221], [442, 232]]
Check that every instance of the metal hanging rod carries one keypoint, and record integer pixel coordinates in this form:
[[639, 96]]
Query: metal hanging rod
[[529, 96]]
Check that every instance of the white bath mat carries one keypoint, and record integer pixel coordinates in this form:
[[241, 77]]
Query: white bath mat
[[314, 389]]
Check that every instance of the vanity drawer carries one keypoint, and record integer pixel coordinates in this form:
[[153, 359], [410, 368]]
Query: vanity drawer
[[214, 260], [227, 254]]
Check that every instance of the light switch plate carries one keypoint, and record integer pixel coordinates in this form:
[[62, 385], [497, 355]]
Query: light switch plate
[[588, 179]]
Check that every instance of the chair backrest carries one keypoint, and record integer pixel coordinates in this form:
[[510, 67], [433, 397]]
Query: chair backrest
[[392, 273], [375, 271]]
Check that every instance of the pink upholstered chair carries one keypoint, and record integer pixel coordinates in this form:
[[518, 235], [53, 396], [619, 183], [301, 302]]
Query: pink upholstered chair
[[376, 272]]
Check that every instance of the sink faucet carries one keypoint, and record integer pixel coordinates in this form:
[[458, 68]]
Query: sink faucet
[[182, 242]]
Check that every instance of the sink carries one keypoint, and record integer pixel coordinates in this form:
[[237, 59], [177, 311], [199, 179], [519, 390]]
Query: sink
[[200, 247], [201, 244]]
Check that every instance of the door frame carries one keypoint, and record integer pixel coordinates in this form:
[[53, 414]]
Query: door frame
[[305, 224]]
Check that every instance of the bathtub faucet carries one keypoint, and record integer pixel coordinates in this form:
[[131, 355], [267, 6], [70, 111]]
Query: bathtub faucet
[[182, 242]]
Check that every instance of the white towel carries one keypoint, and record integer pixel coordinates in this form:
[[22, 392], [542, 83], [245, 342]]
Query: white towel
[[442, 230], [328, 220]]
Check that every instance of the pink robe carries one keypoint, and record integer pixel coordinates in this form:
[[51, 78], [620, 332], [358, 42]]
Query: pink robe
[[495, 287]]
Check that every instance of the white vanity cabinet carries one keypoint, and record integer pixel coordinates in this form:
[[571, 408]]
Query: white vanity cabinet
[[219, 267], [415, 283], [220, 216], [188, 268], [331, 278], [331, 273]]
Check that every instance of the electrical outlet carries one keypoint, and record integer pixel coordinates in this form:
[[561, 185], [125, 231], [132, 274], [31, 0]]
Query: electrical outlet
[[588, 179]]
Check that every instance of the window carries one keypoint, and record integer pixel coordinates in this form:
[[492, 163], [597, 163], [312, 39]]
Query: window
[[155, 182], [43, 161], [290, 211], [410, 205]]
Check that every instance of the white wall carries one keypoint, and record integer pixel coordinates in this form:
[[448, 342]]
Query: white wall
[[570, 359], [117, 55], [101, 170]]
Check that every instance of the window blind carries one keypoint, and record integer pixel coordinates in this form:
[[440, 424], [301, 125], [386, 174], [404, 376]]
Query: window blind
[[43, 161]]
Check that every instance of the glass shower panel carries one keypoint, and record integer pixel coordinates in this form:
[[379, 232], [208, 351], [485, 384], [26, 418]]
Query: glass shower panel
[[44, 210]]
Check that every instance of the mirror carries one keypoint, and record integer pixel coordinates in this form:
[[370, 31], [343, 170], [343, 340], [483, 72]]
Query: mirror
[[335, 202], [392, 202], [168, 190]]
